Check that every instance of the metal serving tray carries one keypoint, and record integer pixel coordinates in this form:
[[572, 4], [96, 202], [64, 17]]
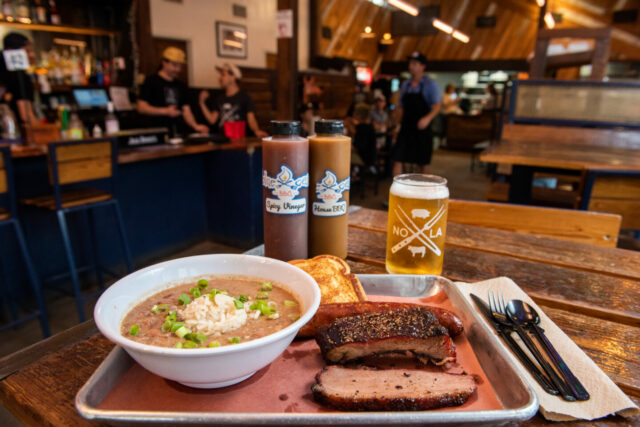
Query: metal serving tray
[[515, 395]]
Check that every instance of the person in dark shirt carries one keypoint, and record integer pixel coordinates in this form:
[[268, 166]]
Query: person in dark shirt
[[235, 105], [419, 105], [18, 88], [164, 98]]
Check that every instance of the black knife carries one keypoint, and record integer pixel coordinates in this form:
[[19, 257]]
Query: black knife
[[505, 333]]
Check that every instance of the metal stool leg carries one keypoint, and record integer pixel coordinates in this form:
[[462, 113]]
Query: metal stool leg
[[94, 256], [5, 292], [35, 283], [123, 237], [72, 265]]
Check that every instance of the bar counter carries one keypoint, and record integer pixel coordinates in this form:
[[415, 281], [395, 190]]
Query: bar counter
[[171, 196]]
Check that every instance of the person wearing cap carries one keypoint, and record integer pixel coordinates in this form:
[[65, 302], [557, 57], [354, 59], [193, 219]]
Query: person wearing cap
[[163, 97], [419, 104], [18, 93], [234, 105]]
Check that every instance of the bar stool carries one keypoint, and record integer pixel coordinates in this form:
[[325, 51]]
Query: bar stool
[[82, 162], [8, 218]]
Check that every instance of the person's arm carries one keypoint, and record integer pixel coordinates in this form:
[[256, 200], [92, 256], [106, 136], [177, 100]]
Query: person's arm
[[144, 107], [253, 125], [211, 116], [432, 96], [191, 121], [25, 110]]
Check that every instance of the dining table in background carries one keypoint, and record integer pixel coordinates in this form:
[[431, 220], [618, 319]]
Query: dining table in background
[[532, 148], [592, 293]]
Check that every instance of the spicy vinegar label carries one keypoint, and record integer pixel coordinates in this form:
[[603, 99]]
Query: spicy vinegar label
[[329, 190], [285, 187]]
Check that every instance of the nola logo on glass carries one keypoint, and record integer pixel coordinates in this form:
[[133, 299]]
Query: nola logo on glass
[[285, 187], [329, 190]]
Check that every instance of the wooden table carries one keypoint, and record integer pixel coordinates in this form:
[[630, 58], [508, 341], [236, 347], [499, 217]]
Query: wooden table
[[592, 293], [541, 148]]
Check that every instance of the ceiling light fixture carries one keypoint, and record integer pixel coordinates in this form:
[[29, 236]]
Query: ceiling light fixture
[[460, 36], [540, 3], [548, 19], [404, 6], [367, 33], [386, 39], [442, 26]]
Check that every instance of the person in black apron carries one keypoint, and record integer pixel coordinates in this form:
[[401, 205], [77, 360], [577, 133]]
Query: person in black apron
[[415, 140]]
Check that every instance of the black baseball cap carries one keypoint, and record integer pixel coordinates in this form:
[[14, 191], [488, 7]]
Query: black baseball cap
[[417, 56]]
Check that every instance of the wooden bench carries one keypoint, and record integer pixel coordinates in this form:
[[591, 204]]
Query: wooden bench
[[587, 227], [616, 192]]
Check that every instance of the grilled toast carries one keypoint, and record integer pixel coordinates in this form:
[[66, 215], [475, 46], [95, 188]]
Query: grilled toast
[[334, 278]]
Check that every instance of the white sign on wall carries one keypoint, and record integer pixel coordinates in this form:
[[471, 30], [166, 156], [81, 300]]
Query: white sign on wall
[[16, 59], [284, 24]]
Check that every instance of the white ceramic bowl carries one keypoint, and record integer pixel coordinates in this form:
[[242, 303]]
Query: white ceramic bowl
[[205, 367]]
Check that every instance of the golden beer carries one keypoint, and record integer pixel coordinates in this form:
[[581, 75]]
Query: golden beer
[[417, 224]]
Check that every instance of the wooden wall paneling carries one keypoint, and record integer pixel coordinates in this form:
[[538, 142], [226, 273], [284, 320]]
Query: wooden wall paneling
[[287, 67]]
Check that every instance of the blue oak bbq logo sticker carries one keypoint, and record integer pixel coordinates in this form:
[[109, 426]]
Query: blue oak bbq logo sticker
[[329, 190], [285, 187]]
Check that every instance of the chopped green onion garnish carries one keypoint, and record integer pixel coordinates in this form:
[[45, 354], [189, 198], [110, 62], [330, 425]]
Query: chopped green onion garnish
[[214, 344], [234, 340], [166, 326], [184, 299], [215, 292], [195, 292], [262, 295], [266, 286], [239, 304], [203, 283], [198, 338], [273, 316], [178, 345], [159, 308], [182, 331], [171, 318], [243, 298], [176, 325], [134, 330], [189, 344], [172, 313], [263, 307], [290, 303]]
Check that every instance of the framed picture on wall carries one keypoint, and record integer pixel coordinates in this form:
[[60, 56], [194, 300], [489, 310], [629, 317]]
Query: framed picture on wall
[[231, 40]]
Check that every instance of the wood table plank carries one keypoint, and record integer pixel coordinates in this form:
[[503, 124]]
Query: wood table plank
[[562, 156], [616, 262], [44, 392], [589, 293]]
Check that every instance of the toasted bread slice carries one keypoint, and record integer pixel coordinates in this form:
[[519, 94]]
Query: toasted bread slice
[[334, 278]]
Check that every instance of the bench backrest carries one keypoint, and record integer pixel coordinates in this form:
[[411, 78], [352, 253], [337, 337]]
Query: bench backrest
[[579, 226]]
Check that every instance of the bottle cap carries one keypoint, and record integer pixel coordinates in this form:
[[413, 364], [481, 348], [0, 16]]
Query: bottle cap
[[284, 127], [329, 127]]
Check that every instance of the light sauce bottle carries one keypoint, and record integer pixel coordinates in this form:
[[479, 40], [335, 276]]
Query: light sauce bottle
[[285, 187], [329, 170]]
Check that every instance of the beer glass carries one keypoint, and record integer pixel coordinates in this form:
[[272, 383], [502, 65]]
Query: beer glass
[[417, 224]]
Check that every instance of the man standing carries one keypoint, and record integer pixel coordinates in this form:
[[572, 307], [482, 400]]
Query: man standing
[[419, 104], [234, 105], [18, 87], [163, 98]]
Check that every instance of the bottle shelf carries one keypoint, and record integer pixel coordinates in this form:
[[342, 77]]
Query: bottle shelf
[[59, 29]]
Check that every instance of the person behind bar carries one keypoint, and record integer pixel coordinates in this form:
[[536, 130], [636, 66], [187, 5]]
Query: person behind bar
[[18, 86], [163, 97], [235, 105], [419, 104]]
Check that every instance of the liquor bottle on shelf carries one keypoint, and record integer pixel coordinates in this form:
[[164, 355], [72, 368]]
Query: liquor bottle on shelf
[[54, 17], [22, 12], [111, 123], [41, 12], [7, 10]]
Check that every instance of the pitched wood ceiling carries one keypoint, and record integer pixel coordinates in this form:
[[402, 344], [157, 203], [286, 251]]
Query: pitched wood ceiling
[[513, 36]]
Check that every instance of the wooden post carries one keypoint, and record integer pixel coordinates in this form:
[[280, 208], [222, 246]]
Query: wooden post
[[145, 40], [287, 67]]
